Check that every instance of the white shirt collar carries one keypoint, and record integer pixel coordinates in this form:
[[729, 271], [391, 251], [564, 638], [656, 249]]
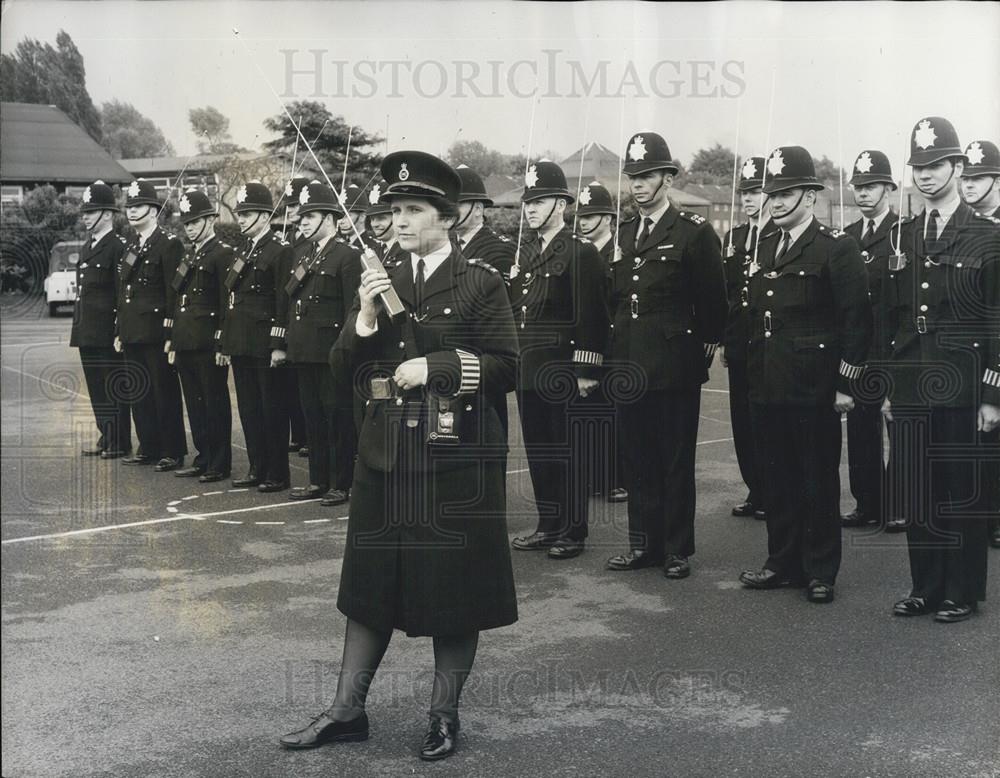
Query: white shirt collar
[[945, 212], [432, 261], [600, 244], [96, 237], [145, 234], [877, 219], [655, 216], [321, 243], [547, 236], [465, 240], [203, 241], [796, 232]]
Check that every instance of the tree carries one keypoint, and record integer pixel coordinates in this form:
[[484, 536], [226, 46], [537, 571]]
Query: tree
[[827, 170], [483, 160], [39, 73], [327, 135], [127, 133], [212, 129], [712, 166]]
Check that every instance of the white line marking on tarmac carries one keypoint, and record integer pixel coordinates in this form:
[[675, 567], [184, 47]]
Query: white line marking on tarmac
[[715, 391], [45, 381], [269, 522], [233, 491], [191, 497], [174, 502], [314, 521], [92, 530], [717, 440], [171, 509], [211, 494], [43, 343], [227, 521]]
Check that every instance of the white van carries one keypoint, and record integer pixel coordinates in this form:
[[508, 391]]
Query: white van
[[60, 284]]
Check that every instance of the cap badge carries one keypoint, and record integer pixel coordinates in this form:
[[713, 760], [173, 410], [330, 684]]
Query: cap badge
[[749, 169], [241, 194], [185, 204], [637, 149], [864, 163], [288, 189], [304, 195], [925, 135], [133, 189], [374, 195], [404, 174], [531, 177], [775, 164], [585, 196], [86, 195], [975, 153]]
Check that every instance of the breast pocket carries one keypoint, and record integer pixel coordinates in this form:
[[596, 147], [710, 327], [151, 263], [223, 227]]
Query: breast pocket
[[661, 270], [802, 286]]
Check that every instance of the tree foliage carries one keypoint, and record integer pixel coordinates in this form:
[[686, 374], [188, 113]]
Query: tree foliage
[[212, 130], [39, 73], [128, 134], [712, 166]]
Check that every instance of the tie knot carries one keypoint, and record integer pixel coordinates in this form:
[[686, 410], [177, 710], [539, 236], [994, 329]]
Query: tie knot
[[934, 214], [871, 225], [420, 266], [648, 221]]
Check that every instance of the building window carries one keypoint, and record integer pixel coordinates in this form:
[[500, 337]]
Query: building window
[[11, 194], [74, 191]]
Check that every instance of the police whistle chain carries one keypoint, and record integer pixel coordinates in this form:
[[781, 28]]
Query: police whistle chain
[[736, 162], [516, 269], [583, 155], [763, 181]]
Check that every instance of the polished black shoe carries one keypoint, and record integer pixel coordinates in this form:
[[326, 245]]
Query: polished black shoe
[[96, 451], [856, 518], [633, 560], [269, 487], [250, 479], [189, 472], [108, 454], [760, 515], [212, 476], [137, 459], [322, 730], [335, 497], [441, 739], [766, 579], [950, 611], [618, 495], [167, 464], [744, 509], [311, 492], [566, 549], [995, 538], [895, 525], [676, 567], [819, 591], [304, 452], [913, 606], [536, 541]]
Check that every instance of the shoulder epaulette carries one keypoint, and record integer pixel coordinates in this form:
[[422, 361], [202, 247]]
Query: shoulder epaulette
[[581, 238], [831, 232], [484, 265], [277, 239], [987, 217], [121, 238], [693, 217], [504, 238], [170, 236], [628, 221]]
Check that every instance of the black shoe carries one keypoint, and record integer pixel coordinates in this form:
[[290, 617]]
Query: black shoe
[[137, 459], [995, 538], [106, 454], [856, 518], [566, 549], [896, 525], [760, 515], [913, 606], [618, 495], [335, 497], [441, 739], [819, 591], [189, 472], [212, 476], [250, 479], [310, 492], [96, 451], [950, 611], [536, 541], [268, 487], [167, 464], [633, 560], [676, 567], [744, 509], [322, 730], [766, 579], [304, 452]]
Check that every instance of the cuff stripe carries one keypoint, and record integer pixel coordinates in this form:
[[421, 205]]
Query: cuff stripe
[[471, 372], [583, 357], [168, 323], [710, 349], [218, 334], [850, 371], [991, 378], [277, 332]]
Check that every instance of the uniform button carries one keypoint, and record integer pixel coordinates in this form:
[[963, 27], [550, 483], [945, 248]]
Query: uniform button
[[524, 291], [925, 285], [298, 318], [399, 401], [767, 313], [447, 311], [927, 263], [770, 293], [746, 304], [635, 296], [975, 345], [958, 264], [822, 345], [402, 344], [468, 407], [802, 272], [635, 278], [923, 308], [767, 334], [689, 332], [663, 259]]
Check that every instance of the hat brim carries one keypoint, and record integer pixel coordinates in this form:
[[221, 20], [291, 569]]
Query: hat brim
[[792, 183], [637, 168], [476, 198], [871, 178], [321, 208], [144, 201], [979, 172], [595, 210], [752, 185], [538, 194], [187, 218], [91, 207], [250, 207], [378, 210], [925, 158]]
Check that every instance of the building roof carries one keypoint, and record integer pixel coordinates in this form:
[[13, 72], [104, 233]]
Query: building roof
[[714, 193], [42, 144], [152, 166]]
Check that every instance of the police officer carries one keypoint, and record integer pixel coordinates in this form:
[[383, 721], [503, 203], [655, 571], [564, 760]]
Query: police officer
[[810, 327], [740, 248], [319, 292], [145, 299], [669, 304], [200, 303], [352, 223], [289, 230], [945, 377], [596, 220], [475, 237], [93, 329], [558, 294], [378, 216], [250, 330], [980, 187], [876, 232]]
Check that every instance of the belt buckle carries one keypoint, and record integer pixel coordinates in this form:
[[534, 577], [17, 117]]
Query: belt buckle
[[634, 308], [767, 322], [922, 325]]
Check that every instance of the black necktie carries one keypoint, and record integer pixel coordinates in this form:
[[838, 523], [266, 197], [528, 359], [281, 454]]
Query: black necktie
[[647, 227], [931, 238], [751, 239], [419, 285], [783, 247], [870, 235]]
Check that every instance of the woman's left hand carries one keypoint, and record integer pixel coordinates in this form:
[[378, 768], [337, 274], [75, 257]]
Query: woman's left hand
[[411, 374]]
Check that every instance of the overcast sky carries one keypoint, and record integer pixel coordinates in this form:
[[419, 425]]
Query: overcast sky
[[846, 76]]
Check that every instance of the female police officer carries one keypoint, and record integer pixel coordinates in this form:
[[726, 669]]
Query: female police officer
[[426, 547]]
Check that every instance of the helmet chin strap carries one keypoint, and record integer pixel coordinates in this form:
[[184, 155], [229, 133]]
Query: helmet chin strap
[[797, 204], [378, 235], [253, 223], [593, 229], [204, 224], [663, 180], [468, 213], [941, 188], [986, 194]]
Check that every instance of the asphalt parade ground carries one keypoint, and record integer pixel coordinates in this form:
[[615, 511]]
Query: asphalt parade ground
[[155, 626]]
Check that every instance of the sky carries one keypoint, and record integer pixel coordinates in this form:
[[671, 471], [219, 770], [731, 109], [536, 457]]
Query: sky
[[833, 77]]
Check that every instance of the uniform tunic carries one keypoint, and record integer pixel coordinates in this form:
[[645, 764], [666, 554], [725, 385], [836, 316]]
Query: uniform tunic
[[426, 547], [492, 248]]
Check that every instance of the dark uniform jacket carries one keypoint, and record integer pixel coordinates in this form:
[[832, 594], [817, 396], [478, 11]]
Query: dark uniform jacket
[[145, 296], [946, 306], [493, 249], [318, 292], [875, 253], [559, 301], [96, 303], [465, 331], [669, 300], [254, 282], [810, 321], [200, 297], [739, 257]]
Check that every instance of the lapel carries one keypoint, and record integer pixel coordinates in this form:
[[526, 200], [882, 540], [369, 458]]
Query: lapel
[[472, 247], [884, 228], [796, 248], [559, 239], [206, 248], [952, 229], [443, 279], [660, 229], [402, 279]]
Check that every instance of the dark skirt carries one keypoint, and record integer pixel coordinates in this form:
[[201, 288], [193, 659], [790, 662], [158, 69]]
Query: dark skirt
[[427, 551]]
